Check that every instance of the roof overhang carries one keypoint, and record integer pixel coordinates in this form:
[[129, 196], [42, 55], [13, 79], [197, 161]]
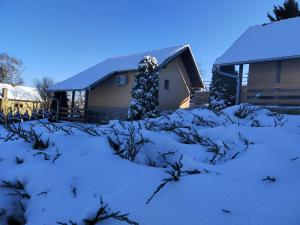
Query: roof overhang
[[188, 60], [251, 61]]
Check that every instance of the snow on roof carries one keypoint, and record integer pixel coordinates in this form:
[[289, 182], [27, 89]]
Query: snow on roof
[[276, 40], [102, 70], [21, 93]]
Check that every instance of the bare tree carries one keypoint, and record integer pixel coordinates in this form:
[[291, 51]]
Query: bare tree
[[42, 86], [10, 70]]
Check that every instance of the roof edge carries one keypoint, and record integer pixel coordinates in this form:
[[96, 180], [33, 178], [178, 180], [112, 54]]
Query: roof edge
[[258, 60]]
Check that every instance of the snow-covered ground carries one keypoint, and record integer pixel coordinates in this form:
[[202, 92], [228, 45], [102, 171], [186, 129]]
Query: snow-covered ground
[[235, 171]]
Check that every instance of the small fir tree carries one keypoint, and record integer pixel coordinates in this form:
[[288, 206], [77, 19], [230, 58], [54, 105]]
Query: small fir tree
[[222, 89], [9, 116], [2, 117], [17, 117], [289, 9], [34, 114], [26, 116], [144, 103]]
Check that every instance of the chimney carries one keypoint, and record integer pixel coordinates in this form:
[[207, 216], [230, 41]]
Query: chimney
[[4, 93]]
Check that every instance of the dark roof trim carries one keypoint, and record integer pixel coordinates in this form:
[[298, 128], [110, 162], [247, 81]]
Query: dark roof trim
[[259, 60]]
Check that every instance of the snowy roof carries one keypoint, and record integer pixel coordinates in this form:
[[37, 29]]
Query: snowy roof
[[21, 93], [273, 41], [95, 74]]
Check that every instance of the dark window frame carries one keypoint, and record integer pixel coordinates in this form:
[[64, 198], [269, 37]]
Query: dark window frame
[[167, 84]]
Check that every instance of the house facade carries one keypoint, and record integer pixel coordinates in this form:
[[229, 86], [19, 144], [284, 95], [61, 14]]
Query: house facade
[[108, 95], [268, 60], [18, 98]]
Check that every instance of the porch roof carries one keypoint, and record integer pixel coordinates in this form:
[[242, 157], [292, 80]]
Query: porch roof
[[98, 73], [268, 42]]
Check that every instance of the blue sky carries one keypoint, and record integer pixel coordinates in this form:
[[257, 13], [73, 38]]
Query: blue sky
[[60, 38]]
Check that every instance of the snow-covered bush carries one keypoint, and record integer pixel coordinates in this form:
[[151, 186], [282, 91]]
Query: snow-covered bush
[[30, 136], [127, 141], [175, 172], [245, 110], [18, 195], [145, 89]]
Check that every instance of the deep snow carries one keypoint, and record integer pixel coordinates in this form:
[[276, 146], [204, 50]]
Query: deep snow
[[232, 193]]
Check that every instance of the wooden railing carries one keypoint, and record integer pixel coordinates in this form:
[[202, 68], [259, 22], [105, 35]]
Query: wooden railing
[[271, 95], [71, 114]]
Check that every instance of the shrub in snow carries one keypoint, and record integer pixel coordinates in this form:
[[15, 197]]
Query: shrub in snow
[[19, 160], [145, 89], [222, 89], [279, 120], [15, 215], [30, 136], [175, 172], [127, 141], [200, 121], [104, 213], [245, 110], [268, 178], [88, 129]]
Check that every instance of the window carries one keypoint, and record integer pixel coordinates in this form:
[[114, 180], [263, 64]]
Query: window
[[166, 84]]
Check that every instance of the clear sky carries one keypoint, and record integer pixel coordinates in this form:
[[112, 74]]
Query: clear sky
[[59, 38]]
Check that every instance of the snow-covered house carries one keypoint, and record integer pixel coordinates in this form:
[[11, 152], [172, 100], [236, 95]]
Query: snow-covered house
[[18, 98], [271, 52], [104, 90]]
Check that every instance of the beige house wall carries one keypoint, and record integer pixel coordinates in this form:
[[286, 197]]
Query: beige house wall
[[277, 85], [7, 104], [112, 101], [263, 75]]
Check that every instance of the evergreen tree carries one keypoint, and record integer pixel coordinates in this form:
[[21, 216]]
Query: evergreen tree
[[9, 116], [2, 117], [144, 103], [34, 114], [222, 89], [26, 116], [289, 9], [17, 117]]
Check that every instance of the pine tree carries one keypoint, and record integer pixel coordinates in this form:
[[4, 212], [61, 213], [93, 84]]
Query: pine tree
[[289, 9], [34, 114], [144, 103], [26, 116], [2, 117], [17, 117], [222, 89], [9, 116]]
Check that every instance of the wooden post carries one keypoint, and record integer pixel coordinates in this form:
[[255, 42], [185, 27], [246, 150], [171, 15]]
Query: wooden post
[[72, 103], [86, 105], [239, 85]]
